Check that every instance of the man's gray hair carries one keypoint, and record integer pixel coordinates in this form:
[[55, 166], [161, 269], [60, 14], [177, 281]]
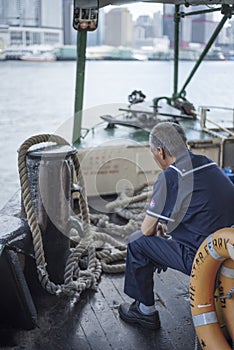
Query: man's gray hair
[[170, 137]]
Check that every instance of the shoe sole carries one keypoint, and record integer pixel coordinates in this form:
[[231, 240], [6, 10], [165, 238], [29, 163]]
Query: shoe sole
[[143, 323]]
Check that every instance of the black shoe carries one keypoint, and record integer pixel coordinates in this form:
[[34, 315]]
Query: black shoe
[[131, 314]]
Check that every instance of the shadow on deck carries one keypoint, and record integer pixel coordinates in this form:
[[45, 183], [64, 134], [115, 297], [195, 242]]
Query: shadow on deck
[[94, 323]]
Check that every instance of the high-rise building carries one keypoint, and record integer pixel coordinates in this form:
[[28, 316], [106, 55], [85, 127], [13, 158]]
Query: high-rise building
[[147, 29], [185, 31], [168, 22], [20, 12], [230, 35], [158, 24], [69, 35], [143, 31], [9, 12], [119, 27], [97, 37], [51, 13], [203, 26], [31, 22], [225, 41], [147, 23]]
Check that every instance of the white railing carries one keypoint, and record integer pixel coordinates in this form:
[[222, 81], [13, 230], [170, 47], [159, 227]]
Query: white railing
[[220, 121]]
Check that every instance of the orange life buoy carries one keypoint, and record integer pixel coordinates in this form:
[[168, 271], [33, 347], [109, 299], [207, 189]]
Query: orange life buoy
[[226, 284], [215, 249]]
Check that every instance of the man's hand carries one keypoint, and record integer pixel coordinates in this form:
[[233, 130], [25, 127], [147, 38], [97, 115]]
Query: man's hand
[[151, 226], [160, 231]]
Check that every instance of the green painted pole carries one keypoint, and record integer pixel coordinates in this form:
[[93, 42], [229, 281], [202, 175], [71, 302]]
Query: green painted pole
[[206, 49], [79, 91], [176, 49]]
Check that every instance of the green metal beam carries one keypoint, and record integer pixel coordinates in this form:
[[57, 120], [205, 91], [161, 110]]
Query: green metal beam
[[203, 54], [176, 48], [79, 91], [185, 14]]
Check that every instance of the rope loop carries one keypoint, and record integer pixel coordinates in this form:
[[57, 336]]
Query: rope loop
[[76, 280]]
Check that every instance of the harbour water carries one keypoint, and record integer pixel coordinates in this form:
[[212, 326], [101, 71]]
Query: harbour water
[[38, 98]]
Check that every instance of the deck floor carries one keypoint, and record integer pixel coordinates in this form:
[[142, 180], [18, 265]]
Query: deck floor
[[94, 324]]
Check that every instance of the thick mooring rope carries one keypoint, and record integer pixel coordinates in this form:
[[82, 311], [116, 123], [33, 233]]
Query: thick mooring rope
[[76, 279]]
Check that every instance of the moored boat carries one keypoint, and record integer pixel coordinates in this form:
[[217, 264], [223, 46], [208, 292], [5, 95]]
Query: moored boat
[[2, 56], [39, 57]]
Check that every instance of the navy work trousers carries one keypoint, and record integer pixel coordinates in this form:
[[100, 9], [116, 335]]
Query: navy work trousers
[[146, 254]]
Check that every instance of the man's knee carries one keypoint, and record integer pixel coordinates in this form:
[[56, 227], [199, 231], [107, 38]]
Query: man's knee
[[136, 243], [135, 235]]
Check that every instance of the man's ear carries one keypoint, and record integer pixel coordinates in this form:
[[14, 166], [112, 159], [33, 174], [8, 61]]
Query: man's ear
[[161, 152]]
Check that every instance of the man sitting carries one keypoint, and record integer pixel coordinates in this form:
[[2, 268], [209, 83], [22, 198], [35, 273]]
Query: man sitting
[[194, 198]]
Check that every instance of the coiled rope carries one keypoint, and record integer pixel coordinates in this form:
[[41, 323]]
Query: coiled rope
[[75, 279]]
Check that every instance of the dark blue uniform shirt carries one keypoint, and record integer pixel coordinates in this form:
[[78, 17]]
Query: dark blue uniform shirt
[[194, 197]]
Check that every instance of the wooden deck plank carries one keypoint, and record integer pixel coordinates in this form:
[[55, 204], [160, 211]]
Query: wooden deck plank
[[174, 308], [79, 337], [114, 330], [94, 324], [135, 335], [92, 328], [171, 288], [156, 339]]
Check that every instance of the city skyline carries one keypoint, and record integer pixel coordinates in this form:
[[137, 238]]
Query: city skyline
[[138, 9], [140, 25], [141, 8]]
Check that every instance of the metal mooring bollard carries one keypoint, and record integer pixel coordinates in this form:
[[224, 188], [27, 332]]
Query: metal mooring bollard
[[50, 172]]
